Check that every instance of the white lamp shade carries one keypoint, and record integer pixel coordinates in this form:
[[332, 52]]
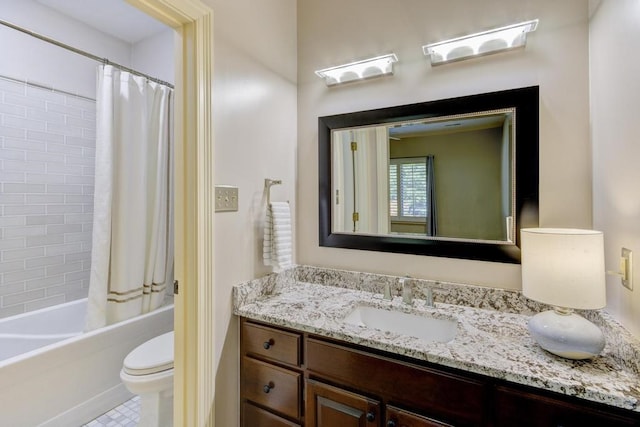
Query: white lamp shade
[[564, 267]]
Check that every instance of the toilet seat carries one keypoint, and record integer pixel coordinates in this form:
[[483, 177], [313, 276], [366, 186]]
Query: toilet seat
[[153, 356]]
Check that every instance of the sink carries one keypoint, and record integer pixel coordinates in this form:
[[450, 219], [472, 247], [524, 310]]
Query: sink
[[422, 327]]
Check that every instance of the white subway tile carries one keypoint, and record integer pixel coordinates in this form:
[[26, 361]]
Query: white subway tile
[[18, 88], [24, 144], [65, 149], [23, 188], [13, 199], [65, 209], [67, 289], [24, 101], [45, 136], [64, 189], [35, 230], [45, 219], [78, 237], [82, 179], [23, 166], [12, 288], [24, 209], [12, 177], [12, 132], [22, 123], [22, 297], [64, 109], [44, 282], [12, 154], [21, 254], [78, 256], [64, 129], [48, 158], [45, 261], [77, 276], [12, 221], [45, 178], [37, 199], [18, 276], [81, 142], [49, 239], [11, 311], [64, 268], [7, 267], [65, 169], [80, 218], [14, 110], [73, 198], [80, 123], [12, 243], [79, 160], [45, 302], [81, 103], [89, 133], [64, 249], [89, 115], [45, 116], [64, 228], [46, 94]]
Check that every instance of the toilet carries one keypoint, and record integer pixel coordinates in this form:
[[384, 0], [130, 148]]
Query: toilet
[[148, 372]]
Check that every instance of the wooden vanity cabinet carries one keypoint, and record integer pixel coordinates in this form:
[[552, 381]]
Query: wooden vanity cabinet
[[291, 379], [271, 379]]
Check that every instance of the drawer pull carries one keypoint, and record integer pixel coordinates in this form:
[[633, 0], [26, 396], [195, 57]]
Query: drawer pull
[[391, 423], [371, 416], [267, 388], [267, 344]]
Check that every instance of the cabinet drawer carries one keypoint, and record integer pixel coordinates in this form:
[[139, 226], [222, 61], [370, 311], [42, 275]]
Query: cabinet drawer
[[252, 416], [398, 418], [272, 387], [445, 396], [272, 344]]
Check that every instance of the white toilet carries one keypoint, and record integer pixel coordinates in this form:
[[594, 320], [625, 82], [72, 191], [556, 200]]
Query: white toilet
[[148, 372]]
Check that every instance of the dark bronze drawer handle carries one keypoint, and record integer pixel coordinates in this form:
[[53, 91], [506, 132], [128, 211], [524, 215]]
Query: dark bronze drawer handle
[[267, 344], [371, 416], [267, 388], [391, 423]]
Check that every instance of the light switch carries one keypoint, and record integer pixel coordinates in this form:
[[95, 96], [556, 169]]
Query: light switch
[[226, 198]]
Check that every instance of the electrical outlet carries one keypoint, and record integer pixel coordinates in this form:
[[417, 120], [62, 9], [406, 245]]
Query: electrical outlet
[[627, 268], [226, 198]]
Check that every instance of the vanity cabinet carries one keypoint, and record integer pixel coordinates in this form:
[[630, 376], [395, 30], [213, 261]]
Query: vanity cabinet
[[271, 376], [289, 379]]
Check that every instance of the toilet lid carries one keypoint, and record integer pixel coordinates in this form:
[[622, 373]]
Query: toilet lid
[[155, 355]]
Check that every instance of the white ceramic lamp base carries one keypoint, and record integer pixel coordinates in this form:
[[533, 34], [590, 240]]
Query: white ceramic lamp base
[[566, 334]]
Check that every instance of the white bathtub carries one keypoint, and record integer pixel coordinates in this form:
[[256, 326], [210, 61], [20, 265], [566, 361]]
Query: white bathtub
[[52, 374]]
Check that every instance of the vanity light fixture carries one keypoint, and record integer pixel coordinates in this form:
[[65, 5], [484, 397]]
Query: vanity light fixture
[[359, 70], [483, 43], [564, 267]]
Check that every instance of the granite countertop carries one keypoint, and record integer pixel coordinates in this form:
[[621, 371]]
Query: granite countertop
[[489, 341]]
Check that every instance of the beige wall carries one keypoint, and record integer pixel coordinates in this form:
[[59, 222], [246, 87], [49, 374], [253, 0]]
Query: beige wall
[[255, 138], [332, 32], [615, 110]]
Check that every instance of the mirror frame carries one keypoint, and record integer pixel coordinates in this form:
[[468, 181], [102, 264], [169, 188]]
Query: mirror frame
[[526, 104]]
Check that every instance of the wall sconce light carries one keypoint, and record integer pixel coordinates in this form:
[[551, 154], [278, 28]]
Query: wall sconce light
[[359, 70], [484, 43]]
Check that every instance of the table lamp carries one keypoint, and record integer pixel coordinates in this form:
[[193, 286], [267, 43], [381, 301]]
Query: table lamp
[[564, 268]]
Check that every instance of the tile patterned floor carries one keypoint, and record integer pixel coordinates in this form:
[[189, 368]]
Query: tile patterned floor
[[125, 415]]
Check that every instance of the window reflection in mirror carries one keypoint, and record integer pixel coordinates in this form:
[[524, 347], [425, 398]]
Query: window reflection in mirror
[[448, 177]]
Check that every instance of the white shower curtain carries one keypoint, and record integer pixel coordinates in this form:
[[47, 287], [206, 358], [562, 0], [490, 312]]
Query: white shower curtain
[[132, 252]]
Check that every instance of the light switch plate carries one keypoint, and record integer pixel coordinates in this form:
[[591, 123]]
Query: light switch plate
[[226, 198]]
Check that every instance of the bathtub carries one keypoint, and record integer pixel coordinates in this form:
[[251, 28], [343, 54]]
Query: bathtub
[[52, 374]]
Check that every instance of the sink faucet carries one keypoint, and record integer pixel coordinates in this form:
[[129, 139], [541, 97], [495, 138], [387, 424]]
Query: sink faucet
[[429, 298], [387, 292], [407, 298]]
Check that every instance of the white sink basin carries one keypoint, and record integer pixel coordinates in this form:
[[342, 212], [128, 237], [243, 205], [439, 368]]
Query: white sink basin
[[424, 328]]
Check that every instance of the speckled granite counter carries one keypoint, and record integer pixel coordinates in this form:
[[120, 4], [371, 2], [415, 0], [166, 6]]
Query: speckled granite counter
[[492, 337]]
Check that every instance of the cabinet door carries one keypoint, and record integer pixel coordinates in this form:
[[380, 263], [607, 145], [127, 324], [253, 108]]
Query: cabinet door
[[329, 406], [399, 418]]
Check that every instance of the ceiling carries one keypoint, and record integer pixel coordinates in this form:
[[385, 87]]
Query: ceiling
[[113, 17]]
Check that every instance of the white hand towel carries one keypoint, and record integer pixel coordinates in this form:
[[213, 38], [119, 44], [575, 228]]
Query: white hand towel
[[277, 246]]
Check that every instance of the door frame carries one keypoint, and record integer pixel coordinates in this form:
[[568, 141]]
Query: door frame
[[194, 361]]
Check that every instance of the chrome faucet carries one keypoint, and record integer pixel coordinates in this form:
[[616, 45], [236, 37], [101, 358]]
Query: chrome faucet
[[407, 298], [429, 298], [387, 292]]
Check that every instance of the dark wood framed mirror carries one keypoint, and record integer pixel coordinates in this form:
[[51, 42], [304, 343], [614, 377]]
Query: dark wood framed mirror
[[475, 221]]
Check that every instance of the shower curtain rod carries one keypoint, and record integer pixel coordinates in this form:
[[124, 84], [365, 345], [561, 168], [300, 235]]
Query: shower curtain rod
[[104, 61]]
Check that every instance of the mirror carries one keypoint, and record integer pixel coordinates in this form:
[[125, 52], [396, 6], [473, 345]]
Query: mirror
[[455, 178]]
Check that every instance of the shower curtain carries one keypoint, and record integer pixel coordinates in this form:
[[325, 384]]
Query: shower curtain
[[132, 249]]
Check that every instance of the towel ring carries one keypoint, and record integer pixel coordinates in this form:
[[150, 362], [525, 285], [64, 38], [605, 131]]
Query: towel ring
[[268, 183]]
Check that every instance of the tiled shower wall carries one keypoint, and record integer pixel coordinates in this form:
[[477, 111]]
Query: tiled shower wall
[[47, 155]]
